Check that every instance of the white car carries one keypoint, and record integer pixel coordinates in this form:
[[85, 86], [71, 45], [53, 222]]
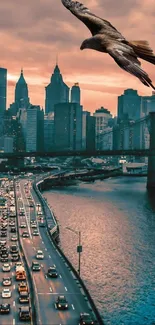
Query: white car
[[33, 225], [23, 225], [6, 281], [18, 264], [6, 293], [6, 267], [40, 255]]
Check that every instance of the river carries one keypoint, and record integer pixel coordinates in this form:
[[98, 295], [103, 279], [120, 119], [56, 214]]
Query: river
[[116, 218]]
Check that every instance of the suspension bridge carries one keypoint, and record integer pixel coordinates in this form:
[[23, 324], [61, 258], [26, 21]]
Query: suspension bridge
[[134, 138]]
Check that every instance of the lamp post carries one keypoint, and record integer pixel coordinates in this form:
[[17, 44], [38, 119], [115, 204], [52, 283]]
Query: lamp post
[[79, 247]]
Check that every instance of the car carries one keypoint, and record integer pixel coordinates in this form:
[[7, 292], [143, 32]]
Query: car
[[25, 234], [4, 259], [35, 233], [15, 257], [6, 293], [52, 272], [14, 238], [33, 225], [2, 242], [86, 319], [61, 303], [22, 286], [35, 266], [24, 297], [6, 267], [39, 255], [7, 281], [25, 313], [3, 234], [23, 225], [18, 264], [13, 249], [13, 229], [4, 308]]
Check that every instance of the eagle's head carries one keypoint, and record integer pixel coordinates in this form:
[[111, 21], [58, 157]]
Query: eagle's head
[[88, 43]]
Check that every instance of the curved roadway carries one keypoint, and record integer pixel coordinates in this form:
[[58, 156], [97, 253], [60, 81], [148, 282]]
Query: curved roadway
[[48, 289]]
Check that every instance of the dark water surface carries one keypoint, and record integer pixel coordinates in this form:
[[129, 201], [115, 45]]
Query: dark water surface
[[117, 221]]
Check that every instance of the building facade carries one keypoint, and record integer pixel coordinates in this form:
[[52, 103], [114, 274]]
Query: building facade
[[88, 131], [129, 106], [35, 129], [21, 94], [75, 94], [68, 126], [56, 92], [3, 90], [102, 118], [49, 132]]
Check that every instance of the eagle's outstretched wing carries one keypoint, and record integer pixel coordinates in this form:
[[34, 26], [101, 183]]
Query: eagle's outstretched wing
[[126, 58], [95, 24]]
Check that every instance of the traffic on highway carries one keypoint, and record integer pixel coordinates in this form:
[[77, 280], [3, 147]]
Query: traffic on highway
[[60, 299]]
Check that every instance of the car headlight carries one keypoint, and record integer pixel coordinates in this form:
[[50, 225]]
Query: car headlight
[[66, 305], [59, 305]]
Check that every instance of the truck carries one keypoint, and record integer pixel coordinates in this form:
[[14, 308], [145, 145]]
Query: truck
[[20, 273]]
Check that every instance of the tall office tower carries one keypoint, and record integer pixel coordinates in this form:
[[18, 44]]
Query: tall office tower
[[3, 94], [68, 126], [3, 90], [8, 144], [35, 129], [48, 132], [148, 104], [21, 94], [56, 92], [129, 106], [102, 118], [88, 131], [75, 94]]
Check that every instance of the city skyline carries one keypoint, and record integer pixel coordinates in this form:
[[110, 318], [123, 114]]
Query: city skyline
[[31, 43]]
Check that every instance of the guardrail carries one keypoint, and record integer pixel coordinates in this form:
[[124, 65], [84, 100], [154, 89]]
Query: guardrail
[[34, 305], [51, 233]]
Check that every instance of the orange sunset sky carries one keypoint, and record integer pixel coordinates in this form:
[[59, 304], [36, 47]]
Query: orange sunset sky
[[32, 32]]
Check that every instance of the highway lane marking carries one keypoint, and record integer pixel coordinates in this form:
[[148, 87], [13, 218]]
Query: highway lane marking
[[73, 307], [14, 286], [42, 242], [60, 276], [45, 249], [14, 303], [13, 321], [66, 289], [51, 289], [58, 252], [12, 274], [49, 256]]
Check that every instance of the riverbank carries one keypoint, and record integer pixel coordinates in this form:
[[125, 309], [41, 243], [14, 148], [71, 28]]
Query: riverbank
[[116, 220]]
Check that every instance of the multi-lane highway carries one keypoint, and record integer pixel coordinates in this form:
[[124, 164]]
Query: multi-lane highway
[[47, 289], [8, 232]]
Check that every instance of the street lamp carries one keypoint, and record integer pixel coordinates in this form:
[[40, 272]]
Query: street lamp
[[79, 247]]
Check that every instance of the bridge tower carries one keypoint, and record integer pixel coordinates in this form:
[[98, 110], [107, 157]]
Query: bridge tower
[[151, 159]]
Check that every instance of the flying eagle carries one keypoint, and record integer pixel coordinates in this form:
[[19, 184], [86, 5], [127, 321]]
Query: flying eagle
[[106, 38]]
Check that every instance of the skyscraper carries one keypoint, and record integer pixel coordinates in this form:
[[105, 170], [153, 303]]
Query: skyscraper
[[75, 94], [102, 116], [48, 132], [88, 131], [35, 129], [56, 92], [129, 106], [3, 90], [68, 126], [21, 93]]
